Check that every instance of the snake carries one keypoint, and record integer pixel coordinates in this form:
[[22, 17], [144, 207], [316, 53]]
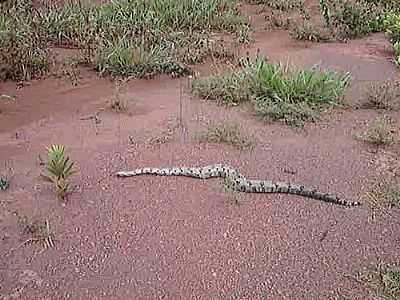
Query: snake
[[239, 183]]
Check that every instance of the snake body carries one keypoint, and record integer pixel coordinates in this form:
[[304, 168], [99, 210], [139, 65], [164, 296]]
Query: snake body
[[239, 183]]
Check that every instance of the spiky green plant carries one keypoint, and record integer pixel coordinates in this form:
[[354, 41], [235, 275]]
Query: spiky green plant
[[59, 169], [4, 184]]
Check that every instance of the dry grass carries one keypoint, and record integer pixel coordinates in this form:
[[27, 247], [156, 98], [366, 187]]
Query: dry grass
[[229, 133], [385, 282], [384, 96], [118, 102], [379, 133], [309, 32], [39, 231], [385, 193]]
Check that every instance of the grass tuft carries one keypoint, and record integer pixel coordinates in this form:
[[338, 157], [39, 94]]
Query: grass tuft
[[232, 88], [379, 133], [118, 102], [308, 32], [385, 193], [384, 96], [39, 231], [227, 133]]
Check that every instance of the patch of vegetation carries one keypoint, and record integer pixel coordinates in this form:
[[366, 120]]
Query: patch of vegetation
[[283, 5], [278, 20], [231, 88], [70, 70], [39, 231], [138, 37], [124, 58], [384, 96], [23, 44], [379, 133], [352, 19], [308, 32], [227, 133], [127, 37], [277, 92], [59, 169], [385, 193], [392, 26], [385, 281]]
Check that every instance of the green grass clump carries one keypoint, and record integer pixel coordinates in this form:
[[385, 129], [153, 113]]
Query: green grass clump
[[295, 95], [227, 133], [277, 92]]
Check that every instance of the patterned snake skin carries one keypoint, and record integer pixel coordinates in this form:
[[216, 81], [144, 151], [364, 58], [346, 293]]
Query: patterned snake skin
[[239, 183]]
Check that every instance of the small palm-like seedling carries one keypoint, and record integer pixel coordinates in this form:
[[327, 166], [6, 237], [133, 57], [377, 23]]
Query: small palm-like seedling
[[59, 168]]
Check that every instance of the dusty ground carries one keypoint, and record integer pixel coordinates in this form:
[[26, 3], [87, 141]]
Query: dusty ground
[[180, 238]]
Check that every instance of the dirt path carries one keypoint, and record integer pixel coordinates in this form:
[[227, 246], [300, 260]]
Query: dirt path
[[179, 238]]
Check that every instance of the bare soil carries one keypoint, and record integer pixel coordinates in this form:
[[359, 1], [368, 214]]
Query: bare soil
[[181, 238]]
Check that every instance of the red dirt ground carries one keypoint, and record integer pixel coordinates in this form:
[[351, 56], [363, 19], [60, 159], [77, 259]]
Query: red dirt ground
[[181, 238]]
